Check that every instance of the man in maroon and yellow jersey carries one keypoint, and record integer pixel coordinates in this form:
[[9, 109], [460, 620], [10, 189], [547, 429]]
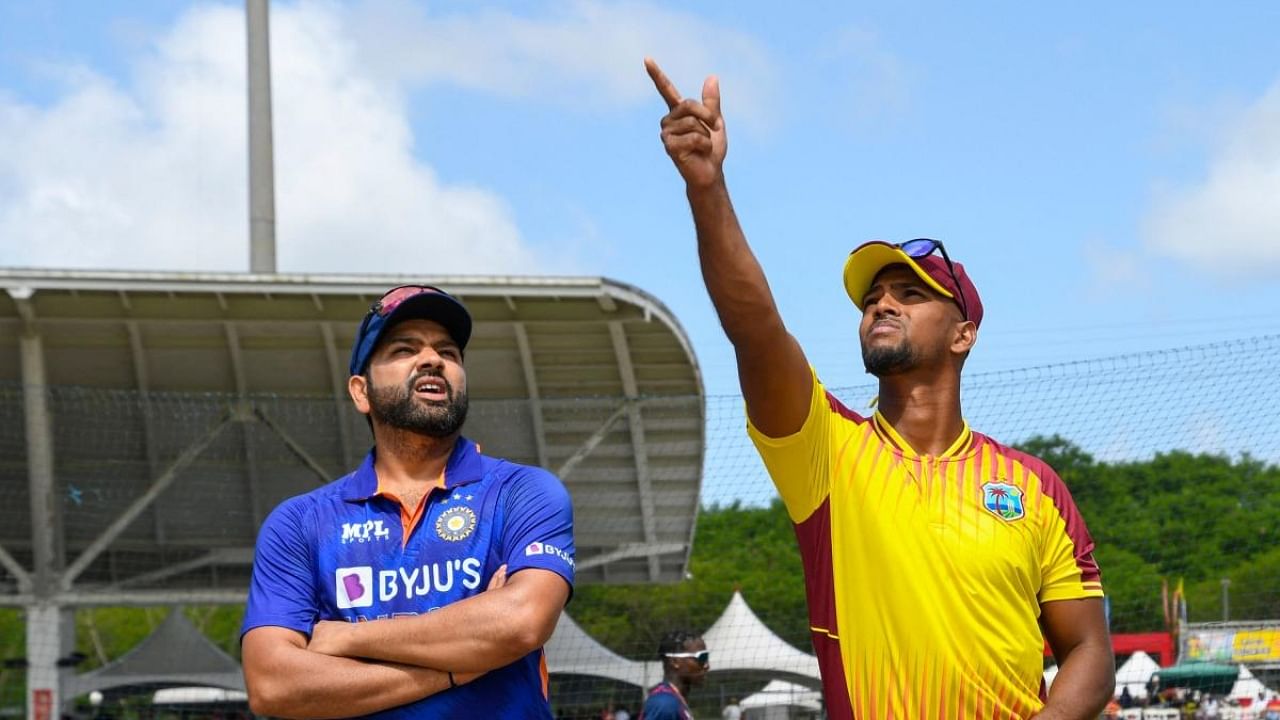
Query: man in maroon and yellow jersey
[[936, 560]]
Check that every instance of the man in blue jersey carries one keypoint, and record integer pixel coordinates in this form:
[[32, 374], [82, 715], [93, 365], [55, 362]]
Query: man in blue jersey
[[424, 583], [685, 662]]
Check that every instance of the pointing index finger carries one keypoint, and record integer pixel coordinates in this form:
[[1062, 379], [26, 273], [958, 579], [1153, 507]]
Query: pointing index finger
[[666, 88]]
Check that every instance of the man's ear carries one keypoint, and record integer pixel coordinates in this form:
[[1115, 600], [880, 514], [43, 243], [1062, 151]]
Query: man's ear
[[965, 338], [358, 389]]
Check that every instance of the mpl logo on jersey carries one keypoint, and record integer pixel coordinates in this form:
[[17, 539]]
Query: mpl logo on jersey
[[542, 548], [354, 587], [366, 531]]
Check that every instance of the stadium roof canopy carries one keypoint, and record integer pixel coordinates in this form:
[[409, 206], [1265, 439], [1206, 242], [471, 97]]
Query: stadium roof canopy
[[180, 408]]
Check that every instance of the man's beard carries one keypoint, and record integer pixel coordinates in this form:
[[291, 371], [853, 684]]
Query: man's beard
[[882, 361], [394, 406]]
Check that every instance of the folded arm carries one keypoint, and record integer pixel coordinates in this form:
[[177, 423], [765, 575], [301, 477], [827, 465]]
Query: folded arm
[[285, 679], [478, 634]]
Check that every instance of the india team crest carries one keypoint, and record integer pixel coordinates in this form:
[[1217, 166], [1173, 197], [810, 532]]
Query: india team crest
[[456, 523], [1003, 500]]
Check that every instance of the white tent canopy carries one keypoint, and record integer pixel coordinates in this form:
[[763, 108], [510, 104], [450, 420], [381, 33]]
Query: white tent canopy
[[1247, 686], [197, 696], [784, 694], [1050, 673], [1134, 674], [739, 641], [572, 651]]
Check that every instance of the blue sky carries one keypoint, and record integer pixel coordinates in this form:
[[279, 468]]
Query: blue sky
[[1110, 174]]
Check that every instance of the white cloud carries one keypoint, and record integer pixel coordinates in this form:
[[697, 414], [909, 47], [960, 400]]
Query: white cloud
[[153, 175], [149, 172], [1228, 225], [355, 190], [580, 55]]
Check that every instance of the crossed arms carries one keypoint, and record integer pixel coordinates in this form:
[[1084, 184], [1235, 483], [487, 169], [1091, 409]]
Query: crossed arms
[[349, 669]]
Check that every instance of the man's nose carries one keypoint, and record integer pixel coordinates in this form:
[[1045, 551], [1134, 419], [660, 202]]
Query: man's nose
[[429, 358], [883, 305]]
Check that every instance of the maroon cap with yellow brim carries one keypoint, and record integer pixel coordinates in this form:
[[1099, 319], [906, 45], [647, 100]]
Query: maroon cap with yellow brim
[[868, 259]]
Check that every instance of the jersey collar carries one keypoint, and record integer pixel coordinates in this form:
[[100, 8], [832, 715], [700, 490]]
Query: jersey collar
[[465, 466], [962, 444]]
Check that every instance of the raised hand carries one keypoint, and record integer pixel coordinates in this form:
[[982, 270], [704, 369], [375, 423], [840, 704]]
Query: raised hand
[[693, 131]]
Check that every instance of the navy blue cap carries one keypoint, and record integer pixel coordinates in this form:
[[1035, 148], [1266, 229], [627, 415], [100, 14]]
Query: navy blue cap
[[412, 301]]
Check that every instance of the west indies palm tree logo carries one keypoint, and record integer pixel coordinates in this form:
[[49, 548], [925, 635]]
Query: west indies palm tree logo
[[1003, 500]]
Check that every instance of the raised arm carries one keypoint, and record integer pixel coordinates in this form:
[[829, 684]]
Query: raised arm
[[772, 369]]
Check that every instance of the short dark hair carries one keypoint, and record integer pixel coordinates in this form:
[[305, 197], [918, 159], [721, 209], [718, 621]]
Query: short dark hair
[[674, 642]]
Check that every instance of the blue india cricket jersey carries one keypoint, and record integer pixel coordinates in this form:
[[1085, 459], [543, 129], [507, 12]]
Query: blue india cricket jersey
[[339, 552]]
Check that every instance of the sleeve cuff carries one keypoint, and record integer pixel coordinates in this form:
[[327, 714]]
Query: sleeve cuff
[[1079, 592]]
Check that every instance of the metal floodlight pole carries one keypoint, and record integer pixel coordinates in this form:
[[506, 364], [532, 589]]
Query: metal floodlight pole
[[262, 193]]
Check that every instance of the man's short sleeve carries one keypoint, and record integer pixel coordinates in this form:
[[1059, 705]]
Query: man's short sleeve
[[800, 463], [662, 706], [538, 527], [1067, 568], [283, 592]]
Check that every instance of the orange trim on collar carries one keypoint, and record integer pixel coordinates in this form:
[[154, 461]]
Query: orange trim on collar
[[409, 517]]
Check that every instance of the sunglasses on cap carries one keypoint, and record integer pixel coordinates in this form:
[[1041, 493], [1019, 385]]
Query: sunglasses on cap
[[702, 656], [446, 310], [392, 298], [922, 247]]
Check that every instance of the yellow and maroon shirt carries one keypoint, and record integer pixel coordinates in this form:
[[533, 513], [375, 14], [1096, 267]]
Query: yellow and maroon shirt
[[925, 574]]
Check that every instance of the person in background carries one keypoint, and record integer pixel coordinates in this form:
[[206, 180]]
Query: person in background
[[685, 663], [1125, 699]]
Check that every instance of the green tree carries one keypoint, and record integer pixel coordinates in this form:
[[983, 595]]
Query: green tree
[[1199, 517]]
